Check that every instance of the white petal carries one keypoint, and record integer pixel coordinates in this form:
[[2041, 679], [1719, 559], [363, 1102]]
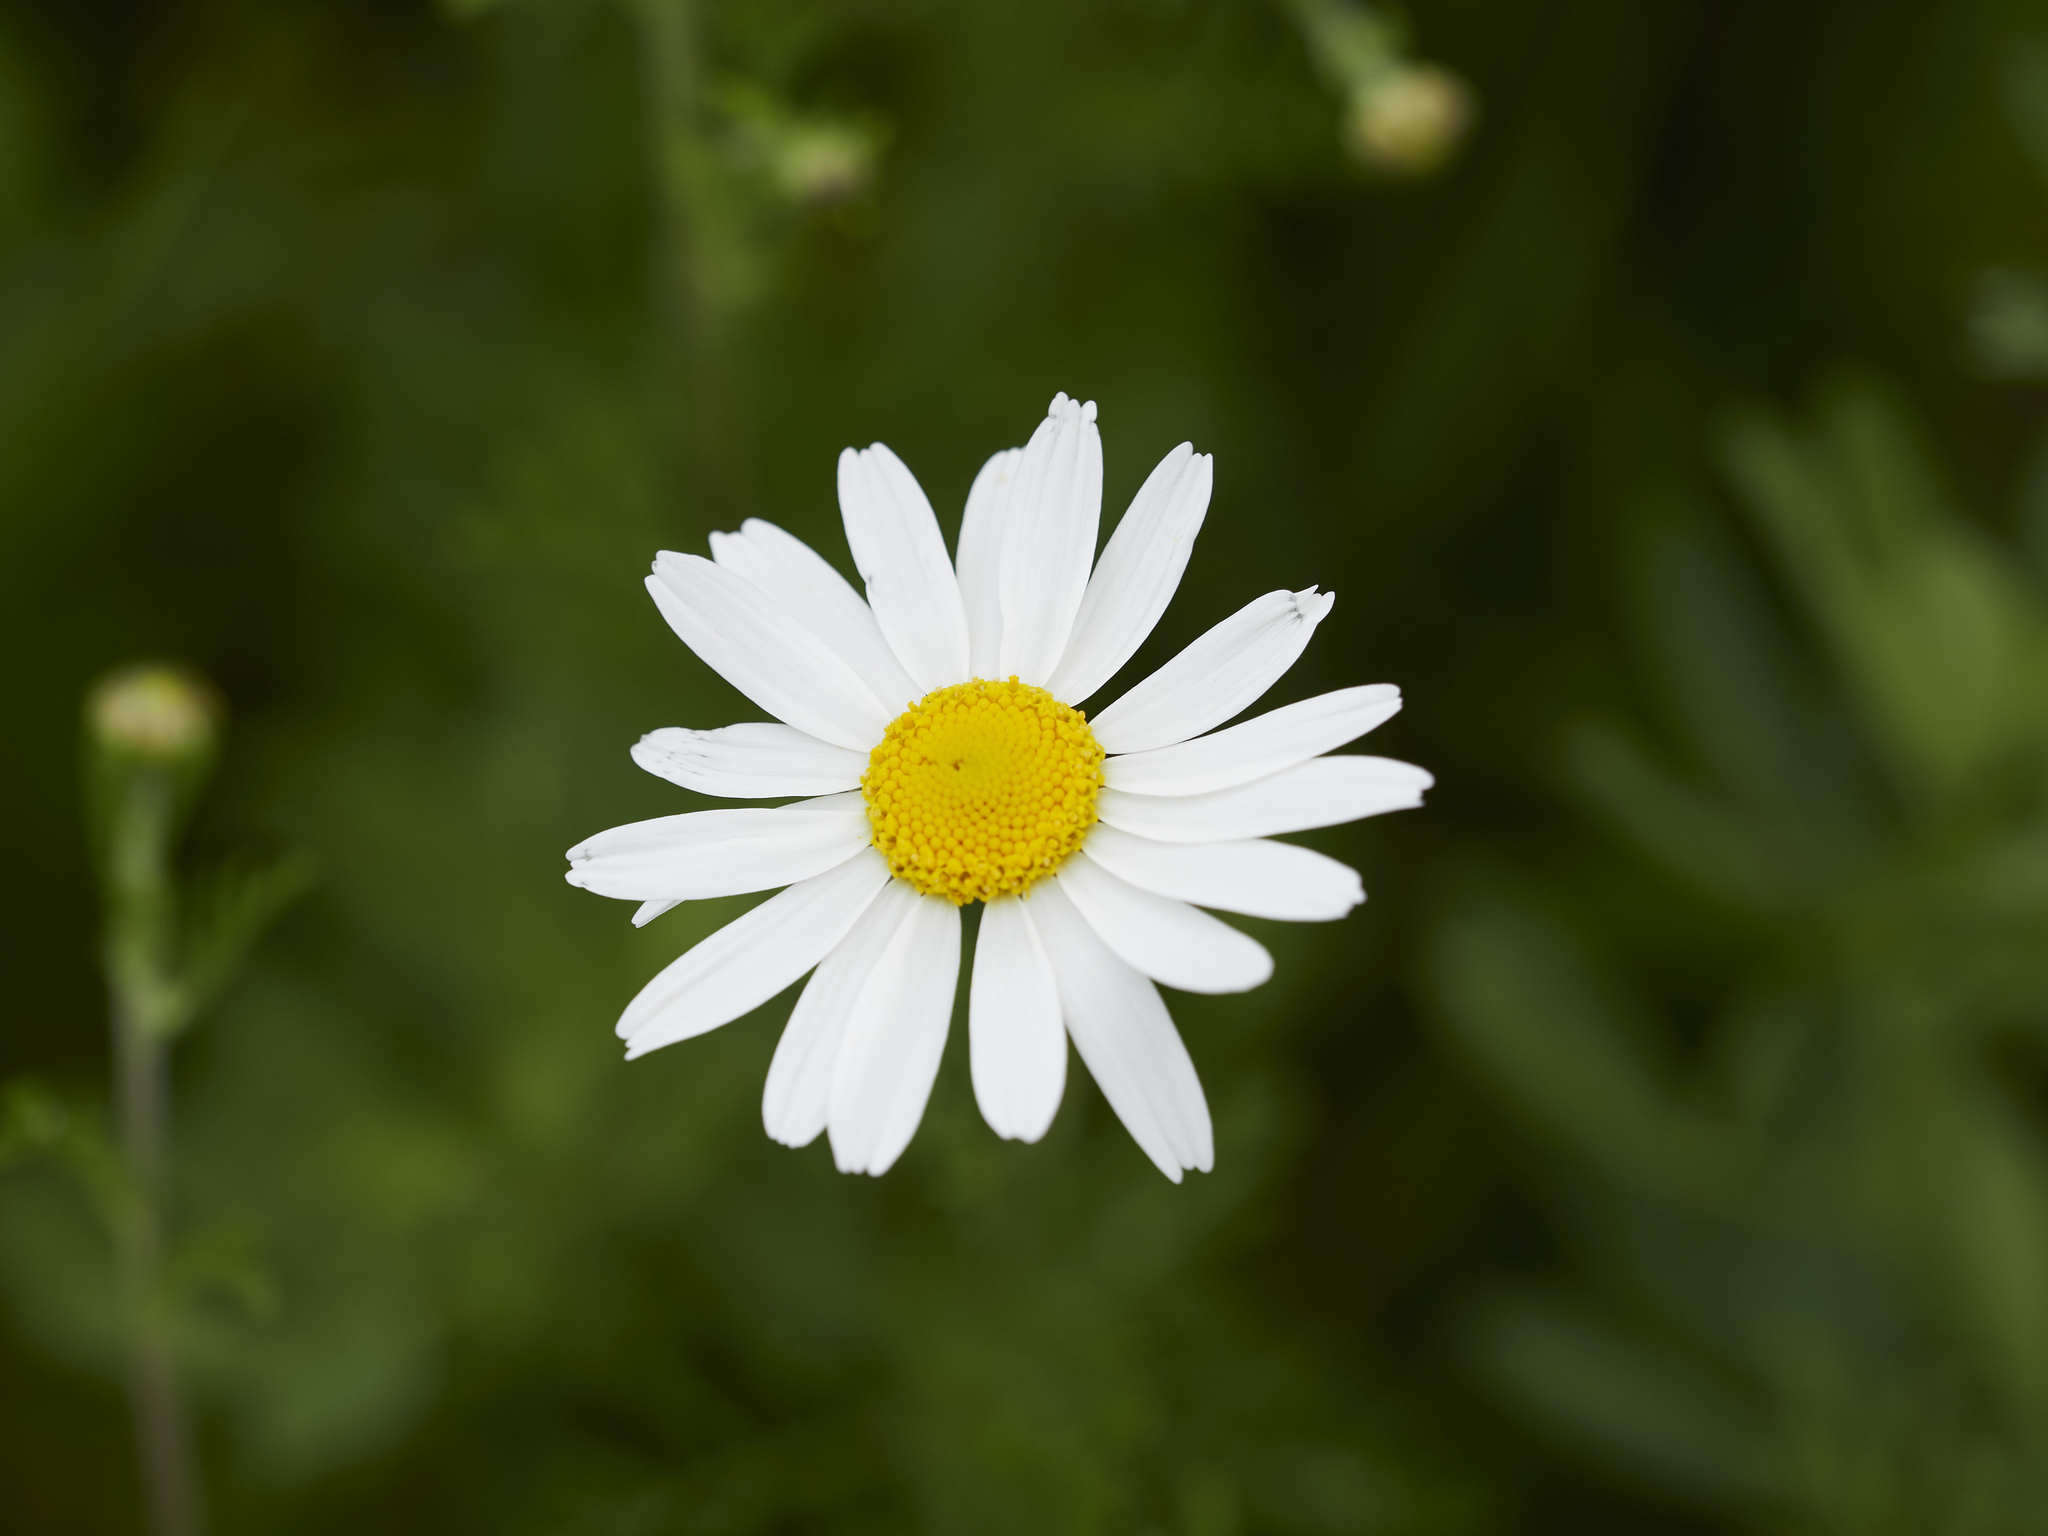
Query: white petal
[[742, 634], [818, 597], [648, 911], [897, 548], [1260, 746], [1126, 1038], [980, 559], [720, 853], [749, 762], [1319, 793], [800, 1077], [1218, 675], [751, 958], [890, 1052], [1049, 539], [1173, 943], [1137, 575], [1016, 1046], [1257, 878]]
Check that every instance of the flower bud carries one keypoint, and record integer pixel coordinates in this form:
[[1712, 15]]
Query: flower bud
[[156, 712], [818, 164], [1410, 120]]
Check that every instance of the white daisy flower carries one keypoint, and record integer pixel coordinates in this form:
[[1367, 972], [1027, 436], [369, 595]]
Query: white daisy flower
[[935, 736]]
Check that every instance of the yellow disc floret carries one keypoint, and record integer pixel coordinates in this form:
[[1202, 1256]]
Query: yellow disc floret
[[980, 789]]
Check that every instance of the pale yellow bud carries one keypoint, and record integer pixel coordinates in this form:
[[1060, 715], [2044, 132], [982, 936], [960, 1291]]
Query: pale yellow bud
[[154, 711], [1410, 120], [818, 164]]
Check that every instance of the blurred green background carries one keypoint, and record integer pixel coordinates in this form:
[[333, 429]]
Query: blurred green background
[[1663, 1147]]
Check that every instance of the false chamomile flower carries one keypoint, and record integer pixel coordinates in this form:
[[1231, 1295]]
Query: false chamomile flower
[[934, 738]]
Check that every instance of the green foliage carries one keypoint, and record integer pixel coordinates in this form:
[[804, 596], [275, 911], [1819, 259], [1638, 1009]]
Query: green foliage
[[230, 908], [1659, 1149], [1812, 1232], [37, 1126]]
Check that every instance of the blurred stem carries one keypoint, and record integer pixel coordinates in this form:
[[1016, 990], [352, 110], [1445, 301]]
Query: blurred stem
[[683, 296], [1355, 45], [145, 1010], [668, 52]]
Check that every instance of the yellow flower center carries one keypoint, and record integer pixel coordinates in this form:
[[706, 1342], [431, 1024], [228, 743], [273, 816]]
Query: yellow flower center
[[978, 790]]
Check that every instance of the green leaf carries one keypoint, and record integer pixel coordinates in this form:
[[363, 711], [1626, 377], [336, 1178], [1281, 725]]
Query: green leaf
[[33, 1121], [229, 911], [1735, 856], [1731, 673], [1938, 643], [1629, 1399], [1996, 1244], [1569, 1048], [37, 1123], [226, 1260]]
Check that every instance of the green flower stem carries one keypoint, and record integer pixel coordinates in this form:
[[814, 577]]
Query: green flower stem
[[145, 1003], [668, 56], [695, 240], [1355, 45]]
